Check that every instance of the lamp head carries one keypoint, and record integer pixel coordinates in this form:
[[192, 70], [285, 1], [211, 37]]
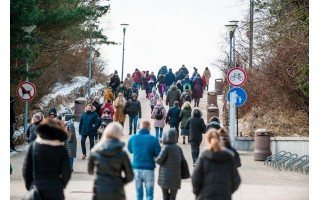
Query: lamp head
[[29, 29]]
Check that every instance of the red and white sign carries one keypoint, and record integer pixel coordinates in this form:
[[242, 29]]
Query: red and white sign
[[26, 91], [237, 76]]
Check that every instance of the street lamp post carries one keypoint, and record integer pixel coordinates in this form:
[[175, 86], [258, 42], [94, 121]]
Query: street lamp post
[[28, 30], [90, 63], [124, 26]]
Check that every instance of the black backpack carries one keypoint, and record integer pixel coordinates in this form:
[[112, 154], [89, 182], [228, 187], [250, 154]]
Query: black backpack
[[159, 115], [186, 97]]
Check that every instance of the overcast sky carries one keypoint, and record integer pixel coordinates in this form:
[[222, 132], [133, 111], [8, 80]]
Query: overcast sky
[[169, 32]]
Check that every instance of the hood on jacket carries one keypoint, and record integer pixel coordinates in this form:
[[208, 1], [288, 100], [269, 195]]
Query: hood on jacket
[[196, 112], [187, 107], [173, 87], [158, 106], [109, 147], [220, 157], [170, 137], [48, 132]]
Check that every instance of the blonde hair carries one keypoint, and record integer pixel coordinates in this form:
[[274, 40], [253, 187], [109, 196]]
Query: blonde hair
[[213, 140], [113, 130], [224, 134], [185, 104]]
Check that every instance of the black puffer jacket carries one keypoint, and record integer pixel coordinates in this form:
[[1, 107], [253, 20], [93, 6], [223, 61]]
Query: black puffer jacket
[[133, 107], [215, 176], [169, 160], [110, 160], [196, 125]]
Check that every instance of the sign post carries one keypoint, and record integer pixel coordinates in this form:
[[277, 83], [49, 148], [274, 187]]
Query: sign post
[[26, 91], [232, 116]]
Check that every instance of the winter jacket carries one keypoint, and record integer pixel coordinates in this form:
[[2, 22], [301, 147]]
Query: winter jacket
[[119, 104], [197, 87], [196, 125], [186, 82], [184, 115], [173, 95], [145, 80], [184, 96], [128, 82], [130, 91], [153, 98], [133, 107], [98, 107], [180, 76], [204, 81], [163, 70], [159, 123], [89, 123], [215, 176], [136, 76], [31, 131], [109, 160], [108, 95], [173, 115], [71, 143], [236, 158], [169, 160], [169, 78], [145, 148], [106, 106], [105, 120], [207, 74], [114, 81], [121, 89], [184, 70], [52, 165]]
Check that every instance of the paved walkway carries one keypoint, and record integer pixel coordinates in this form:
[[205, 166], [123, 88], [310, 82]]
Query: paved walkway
[[259, 182]]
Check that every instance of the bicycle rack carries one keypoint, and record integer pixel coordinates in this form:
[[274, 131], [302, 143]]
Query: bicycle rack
[[291, 163], [273, 157], [281, 163], [307, 169], [279, 158], [303, 163]]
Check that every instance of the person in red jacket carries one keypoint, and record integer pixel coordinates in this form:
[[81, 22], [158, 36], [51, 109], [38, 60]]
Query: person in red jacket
[[136, 76], [107, 105], [204, 81]]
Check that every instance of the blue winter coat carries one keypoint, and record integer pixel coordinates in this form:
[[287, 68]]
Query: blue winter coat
[[145, 148], [186, 82], [173, 115], [169, 78], [89, 123]]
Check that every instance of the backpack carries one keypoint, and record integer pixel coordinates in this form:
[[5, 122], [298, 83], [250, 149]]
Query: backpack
[[159, 115], [186, 97]]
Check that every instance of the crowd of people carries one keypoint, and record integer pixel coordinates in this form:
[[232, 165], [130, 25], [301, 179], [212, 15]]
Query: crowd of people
[[215, 174]]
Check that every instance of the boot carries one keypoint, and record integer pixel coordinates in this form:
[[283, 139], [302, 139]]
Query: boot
[[130, 132], [184, 140], [84, 156]]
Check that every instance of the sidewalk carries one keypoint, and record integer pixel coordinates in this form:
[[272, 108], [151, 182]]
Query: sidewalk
[[259, 182]]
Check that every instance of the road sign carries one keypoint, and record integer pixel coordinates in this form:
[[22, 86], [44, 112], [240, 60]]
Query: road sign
[[236, 76], [241, 95], [26, 91]]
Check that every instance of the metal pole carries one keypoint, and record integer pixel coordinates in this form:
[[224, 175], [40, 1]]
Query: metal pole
[[90, 62], [251, 34], [27, 79], [124, 34], [230, 60], [232, 116], [234, 49]]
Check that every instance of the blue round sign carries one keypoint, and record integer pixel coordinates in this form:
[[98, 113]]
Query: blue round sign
[[241, 95]]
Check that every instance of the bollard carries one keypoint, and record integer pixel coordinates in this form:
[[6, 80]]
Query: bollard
[[261, 145], [218, 86], [79, 107], [212, 111], [211, 98]]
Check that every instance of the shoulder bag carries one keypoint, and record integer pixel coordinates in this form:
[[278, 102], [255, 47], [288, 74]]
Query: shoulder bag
[[184, 167]]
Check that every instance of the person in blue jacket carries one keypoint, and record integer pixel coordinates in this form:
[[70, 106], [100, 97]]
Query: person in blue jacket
[[169, 78], [186, 82], [145, 148], [173, 116], [88, 126]]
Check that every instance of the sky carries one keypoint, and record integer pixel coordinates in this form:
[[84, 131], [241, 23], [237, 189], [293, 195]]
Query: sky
[[169, 33]]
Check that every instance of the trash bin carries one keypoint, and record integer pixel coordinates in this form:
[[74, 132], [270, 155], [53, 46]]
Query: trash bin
[[79, 106], [218, 86], [212, 111], [261, 145], [212, 98]]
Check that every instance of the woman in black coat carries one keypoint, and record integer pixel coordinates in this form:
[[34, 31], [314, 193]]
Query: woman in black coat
[[215, 175], [169, 160], [196, 127], [52, 166], [227, 143], [110, 160]]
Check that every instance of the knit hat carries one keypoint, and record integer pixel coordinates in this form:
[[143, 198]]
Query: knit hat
[[53, 110], [134, 95], [38, 116]]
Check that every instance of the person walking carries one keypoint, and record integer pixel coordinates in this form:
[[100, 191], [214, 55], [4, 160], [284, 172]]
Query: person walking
[[71, 143], [104, 121], [169, 159], [186, 82], [107, 105], [163, 70], [173, 95], [108, 161], [121, 89], [153, 97], [52, 113], [173, 117], [204, 82], [194, 74], [130, 91], [51, 161], [145, 81], [159, 115], [186, 96], [136, 76], [119, 104], [215, 175], [161, 85], [31, 130], [184, 115], [196, 126], [169, 78], [207, 75], [128, 81], [108, 94], [12, 122], [96, 103], [214, 123], [133, 109], [114, 82], [89, 123], [197, 90], [151, 84], [144, 148]]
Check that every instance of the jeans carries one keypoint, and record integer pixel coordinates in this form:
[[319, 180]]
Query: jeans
[[195, 149], [166, 89], [83, 142], [136, 84], [157, 131], [71, 162], [175, 126], [152, 107], [169, 195], [147, 177], [196, 102], [133, 119]]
